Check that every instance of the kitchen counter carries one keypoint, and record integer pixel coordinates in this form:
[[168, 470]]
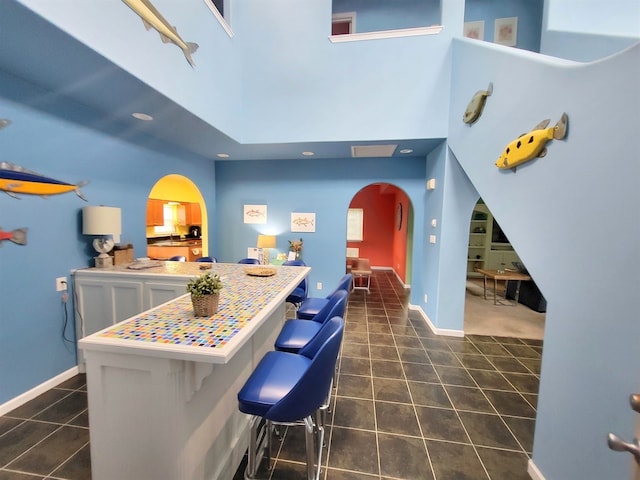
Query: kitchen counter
[[171, 330], [162, 385], [175, 243], [191, 249]]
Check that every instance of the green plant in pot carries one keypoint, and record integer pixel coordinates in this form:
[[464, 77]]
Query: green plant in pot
[[205, 294]]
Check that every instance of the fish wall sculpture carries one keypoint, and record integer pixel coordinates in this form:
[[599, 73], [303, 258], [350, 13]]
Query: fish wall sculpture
[[476, 105], [532, 144], [15, 180], [151, 18], [17, 236]]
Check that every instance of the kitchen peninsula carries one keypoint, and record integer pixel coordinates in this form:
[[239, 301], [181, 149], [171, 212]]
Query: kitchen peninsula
[[162, 384]]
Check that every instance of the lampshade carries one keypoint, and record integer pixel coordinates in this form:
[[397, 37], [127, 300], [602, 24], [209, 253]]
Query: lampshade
[[102, 221], [266, 241]]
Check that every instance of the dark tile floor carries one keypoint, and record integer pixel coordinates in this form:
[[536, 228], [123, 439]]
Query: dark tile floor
[[408, 405]]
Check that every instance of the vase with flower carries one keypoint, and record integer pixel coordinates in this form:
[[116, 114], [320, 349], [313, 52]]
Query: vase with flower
[[296, 246]]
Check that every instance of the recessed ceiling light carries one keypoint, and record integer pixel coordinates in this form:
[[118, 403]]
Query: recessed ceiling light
[[222, 155], [406, 150], [4, 122], [308, 154], [142, 116]]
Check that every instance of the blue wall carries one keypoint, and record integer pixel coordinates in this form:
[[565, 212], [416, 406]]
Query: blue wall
[[31, 346], [377, 15], [567, 214], [529, 13], [324, 187], [573, 218]]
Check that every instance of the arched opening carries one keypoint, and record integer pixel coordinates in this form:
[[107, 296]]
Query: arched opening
[[518, 307], [380, 229], [177, 220]]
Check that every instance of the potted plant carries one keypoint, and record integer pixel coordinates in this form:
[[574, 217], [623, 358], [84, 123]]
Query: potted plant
[[205, 294]]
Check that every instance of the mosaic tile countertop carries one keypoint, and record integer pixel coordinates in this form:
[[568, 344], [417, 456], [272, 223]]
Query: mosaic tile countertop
[[174, 327]]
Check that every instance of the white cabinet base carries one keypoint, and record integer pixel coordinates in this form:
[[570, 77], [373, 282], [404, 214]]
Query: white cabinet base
[[165, 419]]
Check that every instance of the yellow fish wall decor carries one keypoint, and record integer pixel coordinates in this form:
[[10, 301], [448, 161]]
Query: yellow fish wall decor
[[476, 105], [15, 180], [532, 144]]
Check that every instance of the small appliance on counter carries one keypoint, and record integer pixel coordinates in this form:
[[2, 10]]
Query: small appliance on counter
[[194, 231]]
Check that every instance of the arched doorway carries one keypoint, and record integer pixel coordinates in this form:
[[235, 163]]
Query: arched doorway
[[177, 196], [490, 250], [385, 229]]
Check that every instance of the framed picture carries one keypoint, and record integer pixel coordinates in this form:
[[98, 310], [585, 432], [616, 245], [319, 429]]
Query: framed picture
[[303, 222], [506, 31], [474, 30], [255, 213]]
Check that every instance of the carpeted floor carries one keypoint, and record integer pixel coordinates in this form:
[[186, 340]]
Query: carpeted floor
[[482, 317]]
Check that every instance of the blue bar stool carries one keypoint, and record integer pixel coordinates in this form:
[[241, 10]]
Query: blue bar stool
[[300, 293], [289, 389], [249, 261], [207, 259], [296, 333], [310, 307]]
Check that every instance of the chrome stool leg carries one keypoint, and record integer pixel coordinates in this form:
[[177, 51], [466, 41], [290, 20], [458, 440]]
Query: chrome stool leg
[[314, 438], [259, 441]]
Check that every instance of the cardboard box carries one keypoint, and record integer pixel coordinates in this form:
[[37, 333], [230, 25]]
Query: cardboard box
[[123, 254]]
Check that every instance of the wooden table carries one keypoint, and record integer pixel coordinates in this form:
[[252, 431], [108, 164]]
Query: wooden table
[[361, 271], [502, 275]]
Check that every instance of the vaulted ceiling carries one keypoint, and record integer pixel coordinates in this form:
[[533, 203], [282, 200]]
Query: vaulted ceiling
[[46, 69]]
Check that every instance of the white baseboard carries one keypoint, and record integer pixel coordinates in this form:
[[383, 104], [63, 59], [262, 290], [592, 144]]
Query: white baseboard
[[37, 390], [533, 471], [438, 331]]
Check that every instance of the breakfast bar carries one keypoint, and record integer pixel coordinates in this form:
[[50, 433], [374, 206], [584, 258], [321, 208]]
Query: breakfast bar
[[162, 384]]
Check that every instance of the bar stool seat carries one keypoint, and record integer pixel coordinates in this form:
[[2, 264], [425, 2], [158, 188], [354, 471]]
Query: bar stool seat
[[310, 307], [279, 373], [296, 333]]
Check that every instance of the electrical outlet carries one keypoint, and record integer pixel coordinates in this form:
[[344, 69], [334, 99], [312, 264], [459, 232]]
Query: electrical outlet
[[61, 284], [425, 298], [432, 239], [319, 286]]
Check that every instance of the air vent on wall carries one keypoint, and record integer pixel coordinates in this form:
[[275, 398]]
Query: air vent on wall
[[372, 150]]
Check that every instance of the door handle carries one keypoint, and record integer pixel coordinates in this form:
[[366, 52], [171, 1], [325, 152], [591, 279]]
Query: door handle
[[634, 401], [617, 444]]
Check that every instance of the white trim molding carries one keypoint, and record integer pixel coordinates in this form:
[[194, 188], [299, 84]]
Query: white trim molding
[[438, 331], [533, 471], [37, 390], [404, 32], [220, 18]]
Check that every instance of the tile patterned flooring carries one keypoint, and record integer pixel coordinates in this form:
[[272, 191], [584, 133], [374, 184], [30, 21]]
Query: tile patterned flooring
[[408, 405]]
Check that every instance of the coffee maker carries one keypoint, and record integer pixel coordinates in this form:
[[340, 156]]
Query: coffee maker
[[195, 231]]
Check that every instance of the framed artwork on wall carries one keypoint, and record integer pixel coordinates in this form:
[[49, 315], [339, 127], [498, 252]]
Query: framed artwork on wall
[[303, 222], [474, 30], [255, 213], [505, 31]]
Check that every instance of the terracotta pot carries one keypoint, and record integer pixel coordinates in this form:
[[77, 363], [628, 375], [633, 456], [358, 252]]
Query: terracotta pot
[[206, 305]]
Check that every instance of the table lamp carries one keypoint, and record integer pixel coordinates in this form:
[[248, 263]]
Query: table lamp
[[265, 242], [102, 221]]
